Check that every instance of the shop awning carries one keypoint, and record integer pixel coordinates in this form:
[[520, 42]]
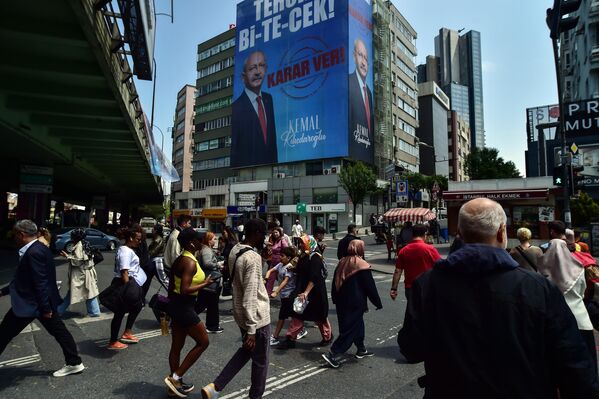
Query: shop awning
[[417, 215]]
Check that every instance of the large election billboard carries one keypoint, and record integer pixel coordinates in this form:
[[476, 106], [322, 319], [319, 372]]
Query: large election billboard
[[293, 89]]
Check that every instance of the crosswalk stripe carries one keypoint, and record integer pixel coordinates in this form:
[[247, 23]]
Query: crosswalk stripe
[[21, 361]]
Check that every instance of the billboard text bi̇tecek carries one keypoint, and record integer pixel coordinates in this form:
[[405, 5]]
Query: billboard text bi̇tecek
[[303, 85]]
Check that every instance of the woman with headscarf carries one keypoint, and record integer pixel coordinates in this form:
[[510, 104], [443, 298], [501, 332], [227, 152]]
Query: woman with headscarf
[[82, 276], [567, 272], [276, 243], [310, 287], [352, 286]]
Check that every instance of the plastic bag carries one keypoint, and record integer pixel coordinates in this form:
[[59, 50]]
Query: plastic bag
[[299, 306]]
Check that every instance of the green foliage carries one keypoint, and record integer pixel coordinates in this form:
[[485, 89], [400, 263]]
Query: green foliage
[[358, 180], [487, 164], [584, 209]]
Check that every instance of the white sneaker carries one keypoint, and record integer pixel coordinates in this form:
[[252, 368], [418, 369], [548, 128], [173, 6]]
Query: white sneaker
[[302, 334], [274, 341], [67, 370]]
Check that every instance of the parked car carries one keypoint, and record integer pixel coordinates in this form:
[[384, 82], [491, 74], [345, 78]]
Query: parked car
[[96, 239]]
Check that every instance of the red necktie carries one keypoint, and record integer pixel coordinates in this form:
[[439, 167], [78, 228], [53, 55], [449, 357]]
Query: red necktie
[[367, 106], [262, 117]]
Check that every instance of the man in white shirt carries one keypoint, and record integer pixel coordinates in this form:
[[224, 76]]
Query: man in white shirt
[[296, 232], [172, 250]]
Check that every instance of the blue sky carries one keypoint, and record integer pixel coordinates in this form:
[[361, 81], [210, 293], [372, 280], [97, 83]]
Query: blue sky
[[518, 69]]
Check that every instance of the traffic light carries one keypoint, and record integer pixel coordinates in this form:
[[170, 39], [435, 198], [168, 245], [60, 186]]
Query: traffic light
[[558, 176], [555, 17], [577, 177]]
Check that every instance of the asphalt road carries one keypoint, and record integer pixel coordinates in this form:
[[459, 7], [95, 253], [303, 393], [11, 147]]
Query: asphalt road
[[137, 372]]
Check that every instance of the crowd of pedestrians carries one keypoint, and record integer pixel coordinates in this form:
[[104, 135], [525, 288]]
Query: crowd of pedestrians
[[486, 322]]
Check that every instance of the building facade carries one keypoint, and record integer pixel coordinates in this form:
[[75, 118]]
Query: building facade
[[579, 55], [458, 131], [432, 131], [397, 89], [273, 192], [457, 68], [182, 136]]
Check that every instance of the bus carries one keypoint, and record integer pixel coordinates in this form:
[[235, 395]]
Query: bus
[[147, 224]]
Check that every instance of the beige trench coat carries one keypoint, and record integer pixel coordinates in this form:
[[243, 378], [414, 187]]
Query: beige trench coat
[[83, 280]]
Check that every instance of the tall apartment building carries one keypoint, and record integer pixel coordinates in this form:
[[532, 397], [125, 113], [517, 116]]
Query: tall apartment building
[[208, 198], [457, 69], [396, 88], [458, 130], [579, 55], [182, 135]]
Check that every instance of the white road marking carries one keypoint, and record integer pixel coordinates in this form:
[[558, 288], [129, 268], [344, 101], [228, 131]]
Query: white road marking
[[87, 319], [30, 328], [21, 361]]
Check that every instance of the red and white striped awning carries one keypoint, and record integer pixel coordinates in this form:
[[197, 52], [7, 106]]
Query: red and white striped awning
[[414, 215]]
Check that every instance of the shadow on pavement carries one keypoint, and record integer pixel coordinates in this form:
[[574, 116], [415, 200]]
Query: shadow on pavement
[[90, 348], [141, 390], [18, 374]]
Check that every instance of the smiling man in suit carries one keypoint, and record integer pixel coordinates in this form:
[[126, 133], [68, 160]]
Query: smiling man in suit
[[254, 137], [34, 295], [361, 111]]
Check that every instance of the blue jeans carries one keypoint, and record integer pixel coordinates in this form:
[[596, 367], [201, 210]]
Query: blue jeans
[[93, 306]]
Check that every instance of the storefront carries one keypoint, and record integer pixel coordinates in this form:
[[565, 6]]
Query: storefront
[[214, 219], [237, 214], [333, 217], [525, 201]]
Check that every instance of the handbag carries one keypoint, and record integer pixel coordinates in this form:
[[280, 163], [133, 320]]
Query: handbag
[[215, 286], [299, 306], [97, 256], [110, 297], [159, 305]]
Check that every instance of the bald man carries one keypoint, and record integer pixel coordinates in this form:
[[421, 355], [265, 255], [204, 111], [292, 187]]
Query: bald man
[[361, 108], [486, 328], [254, 134]]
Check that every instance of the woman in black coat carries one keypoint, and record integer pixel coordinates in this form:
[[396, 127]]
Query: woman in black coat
[[310, 286], [352, 286]]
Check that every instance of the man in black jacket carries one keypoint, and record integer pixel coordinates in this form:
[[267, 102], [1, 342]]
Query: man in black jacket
[[352, 234], [34, 295], [486, 328]]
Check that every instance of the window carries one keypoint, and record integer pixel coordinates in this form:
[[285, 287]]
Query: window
[[180, 138], [221, 142], [314, 168], [183, 204], [202, 184], [215, 124], [215, 86], [216, 67], [217, 200], [199, 202], [216, 49], [214, 163], [214, 105], [277, 198], [324, 195], [180, 124], [181, 112], [179, 152], [296, 196]]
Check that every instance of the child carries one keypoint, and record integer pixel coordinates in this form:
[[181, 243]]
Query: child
[[285, 288]]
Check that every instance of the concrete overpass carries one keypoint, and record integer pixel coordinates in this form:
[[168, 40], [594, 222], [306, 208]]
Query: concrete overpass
[[67, 101]]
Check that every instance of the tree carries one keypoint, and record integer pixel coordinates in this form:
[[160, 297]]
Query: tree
[[418, 181], [357, 180], [486, 163], [584, 209]]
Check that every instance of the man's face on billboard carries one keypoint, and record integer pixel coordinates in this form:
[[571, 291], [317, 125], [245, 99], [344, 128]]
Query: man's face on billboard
[[254, 71], [361, 59]]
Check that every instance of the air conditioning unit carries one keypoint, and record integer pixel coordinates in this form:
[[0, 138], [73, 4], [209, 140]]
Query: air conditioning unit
[[327, 171], [335, 169], [280, 175]]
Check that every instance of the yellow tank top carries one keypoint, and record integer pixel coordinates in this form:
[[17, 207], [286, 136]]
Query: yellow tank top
[[198, 278]]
